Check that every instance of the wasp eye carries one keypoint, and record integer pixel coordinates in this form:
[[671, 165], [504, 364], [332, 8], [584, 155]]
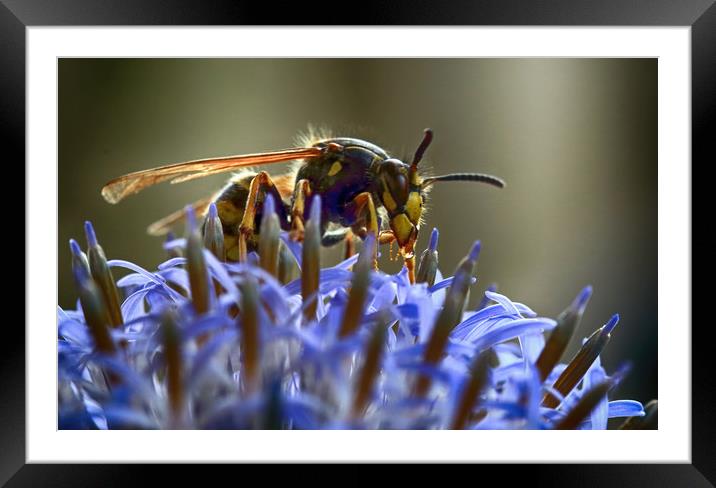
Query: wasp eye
[[398, 186], [395, 178]]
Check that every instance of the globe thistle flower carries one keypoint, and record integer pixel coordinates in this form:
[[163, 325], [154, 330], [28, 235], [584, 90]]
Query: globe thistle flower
[[203, 343]]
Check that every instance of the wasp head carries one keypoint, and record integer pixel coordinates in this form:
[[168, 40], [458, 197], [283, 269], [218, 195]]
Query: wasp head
[[402, 192], [402, 196]]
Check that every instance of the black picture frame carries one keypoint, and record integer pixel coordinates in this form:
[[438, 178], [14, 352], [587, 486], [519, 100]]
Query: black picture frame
[[16, 15]]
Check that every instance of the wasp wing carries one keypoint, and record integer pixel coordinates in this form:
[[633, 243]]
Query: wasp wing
[[163, 226], [283, 183], [126, 185]]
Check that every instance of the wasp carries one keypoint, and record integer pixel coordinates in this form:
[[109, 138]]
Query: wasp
[[361, 186]]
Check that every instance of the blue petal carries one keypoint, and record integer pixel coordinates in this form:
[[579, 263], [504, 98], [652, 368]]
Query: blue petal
[[157, 279], [134, 279], [514, 329], [385, 295], [465, 327], [207, 352], [506, 303], [532, 345], [445, 283], [178, 276], [123, 417], [133, 305], [293, 246], [172, 263], [218, 272], [179, 242], [626, 408], [74, 332], [329, 279]]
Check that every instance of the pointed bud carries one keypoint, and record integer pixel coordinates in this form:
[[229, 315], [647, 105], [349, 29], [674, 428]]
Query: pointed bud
[[428, 266], [359, 289], [171, 340], [450, 315], [80, 266], [190, 220], [196, 265], [249, 331], [476, 382], [475, 251], [93, 304], [581, 362], [102, 275], [311, 259], [434, 236], [370, 370], [609, 326], [269, 237], [214, 233], [567, 323], [90, 234], [96, 317], [286, 264]]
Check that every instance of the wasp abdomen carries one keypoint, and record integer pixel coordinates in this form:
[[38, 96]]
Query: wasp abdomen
[[231, 206]]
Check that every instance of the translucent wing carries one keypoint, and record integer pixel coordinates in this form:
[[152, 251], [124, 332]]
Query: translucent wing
[[163, 226], [283, 182], [119, 188]]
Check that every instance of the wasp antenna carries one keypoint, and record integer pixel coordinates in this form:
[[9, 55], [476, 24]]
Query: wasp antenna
[[478, 177], [427, 139]]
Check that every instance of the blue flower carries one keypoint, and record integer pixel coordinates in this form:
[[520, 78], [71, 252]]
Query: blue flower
[[201, 343]]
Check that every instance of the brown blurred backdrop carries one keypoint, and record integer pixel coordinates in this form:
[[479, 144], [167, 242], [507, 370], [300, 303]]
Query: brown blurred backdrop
[[576, 140]]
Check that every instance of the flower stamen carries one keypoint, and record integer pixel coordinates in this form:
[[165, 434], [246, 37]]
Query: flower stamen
[[173, 359], [311, 259], [371, 366], [214, 233], [103, 276], [428, 266], [581, 362], [449, 316], [359, 289], [196, 265], [567, 323], [475, 383], [92, 301], [250, 347], [269, 238]]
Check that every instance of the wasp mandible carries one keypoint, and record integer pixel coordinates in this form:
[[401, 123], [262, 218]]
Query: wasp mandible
[[358, 183]]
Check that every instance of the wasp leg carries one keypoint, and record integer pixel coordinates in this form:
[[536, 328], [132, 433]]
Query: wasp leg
[[261, 185], [387, 237], [299, 209], [366, 220], [410, 264]]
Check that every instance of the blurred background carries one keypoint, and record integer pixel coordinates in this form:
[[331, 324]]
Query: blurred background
[[575, 139]]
